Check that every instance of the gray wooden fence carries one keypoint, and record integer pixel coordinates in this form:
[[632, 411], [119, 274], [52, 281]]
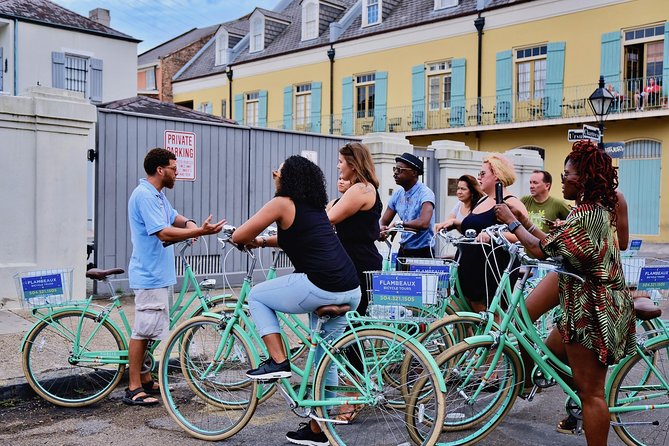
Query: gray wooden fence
[[233, 180]]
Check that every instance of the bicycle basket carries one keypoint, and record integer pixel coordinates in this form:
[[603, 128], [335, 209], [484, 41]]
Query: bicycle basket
[[44, 288], [648, 274], [429, 265], [398, 294]]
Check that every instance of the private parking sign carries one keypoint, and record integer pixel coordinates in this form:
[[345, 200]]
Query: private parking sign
[[182, 144]]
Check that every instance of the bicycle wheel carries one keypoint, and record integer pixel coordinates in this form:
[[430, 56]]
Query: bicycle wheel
[[190, 380], [643, 382], [69, 376], [470, 417], [378, 421]]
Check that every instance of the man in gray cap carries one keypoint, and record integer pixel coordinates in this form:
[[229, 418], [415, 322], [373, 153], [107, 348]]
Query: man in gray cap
[[413, 202]]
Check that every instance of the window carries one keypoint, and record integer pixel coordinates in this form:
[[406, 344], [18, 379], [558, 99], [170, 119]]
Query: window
[[364, 89], [440, 4], [150, 79], [439, 85], [371, 12], [644, 55], [310, 19], [257, 34], [302, 106], [531, 72], [251, 107], [224, 108], [205, 107], [222, 47], [76, 73]]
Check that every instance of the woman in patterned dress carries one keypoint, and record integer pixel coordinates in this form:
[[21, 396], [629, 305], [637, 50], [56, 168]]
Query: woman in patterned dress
[[597, 324]]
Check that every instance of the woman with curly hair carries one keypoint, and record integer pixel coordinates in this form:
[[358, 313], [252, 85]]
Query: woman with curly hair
[[596, 328], [324, 273]]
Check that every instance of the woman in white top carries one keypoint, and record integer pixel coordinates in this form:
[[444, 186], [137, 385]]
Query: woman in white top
[[469, 193]]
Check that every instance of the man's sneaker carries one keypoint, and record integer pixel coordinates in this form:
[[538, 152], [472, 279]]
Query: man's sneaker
[[270, 370], [304, 435]]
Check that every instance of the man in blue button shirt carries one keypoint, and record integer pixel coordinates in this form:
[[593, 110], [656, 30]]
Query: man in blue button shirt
[[151, 272], [413, 202]]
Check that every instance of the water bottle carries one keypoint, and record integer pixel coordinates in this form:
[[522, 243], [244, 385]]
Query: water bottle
[[392, 312]]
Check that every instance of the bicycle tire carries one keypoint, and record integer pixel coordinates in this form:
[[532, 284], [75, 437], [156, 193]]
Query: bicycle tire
[[378, 421], [198, 404], [61, 379], [637, 383], [468, 420]]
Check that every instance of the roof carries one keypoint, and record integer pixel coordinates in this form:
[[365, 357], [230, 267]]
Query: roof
[[175, 44], [150, 106], [406, 13], [50, 14]]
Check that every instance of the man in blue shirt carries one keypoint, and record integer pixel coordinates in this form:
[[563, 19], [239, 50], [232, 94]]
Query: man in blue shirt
[[151, 272], [413, 202]]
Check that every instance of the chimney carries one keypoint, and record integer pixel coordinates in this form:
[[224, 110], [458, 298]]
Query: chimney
[[100, 16]]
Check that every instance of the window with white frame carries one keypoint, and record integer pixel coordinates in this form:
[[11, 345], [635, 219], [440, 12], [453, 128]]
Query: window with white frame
[[222, 47], [150, 79], [205, 107], [644, 56], [531, 73], [257, 34], [439, 85], [371, 12], [302, 106], [441, 4], [251, 108], [224, 108], [310, 19], [76, 73], [364, 95]]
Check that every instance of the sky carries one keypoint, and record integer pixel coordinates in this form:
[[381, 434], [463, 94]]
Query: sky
[[156, 21]]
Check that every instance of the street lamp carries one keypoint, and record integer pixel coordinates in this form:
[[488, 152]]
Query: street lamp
[[228, 72], [600, 101]]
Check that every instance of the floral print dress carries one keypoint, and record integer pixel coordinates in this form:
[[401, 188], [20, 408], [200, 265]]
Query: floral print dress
[[597, 313]]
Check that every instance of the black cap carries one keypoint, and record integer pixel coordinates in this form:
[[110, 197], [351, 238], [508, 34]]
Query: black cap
[[412, 160]]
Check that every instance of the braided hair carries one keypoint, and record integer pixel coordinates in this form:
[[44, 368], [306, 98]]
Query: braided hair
[[598, 177]]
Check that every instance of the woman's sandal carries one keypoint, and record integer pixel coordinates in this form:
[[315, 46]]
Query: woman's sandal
[[138, 397], [348, 412], [568, 425], [150, 388]]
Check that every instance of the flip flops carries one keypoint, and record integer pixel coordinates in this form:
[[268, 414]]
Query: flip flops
[[138, 397], [150, 389], [348, 412]]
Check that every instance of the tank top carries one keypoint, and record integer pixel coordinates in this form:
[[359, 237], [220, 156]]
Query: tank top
[[358, 233], [314, 249]]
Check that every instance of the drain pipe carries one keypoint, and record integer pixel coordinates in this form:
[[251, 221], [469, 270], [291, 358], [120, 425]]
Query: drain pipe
[[331, 56], [228, 73], [479, 23], [16, 57]]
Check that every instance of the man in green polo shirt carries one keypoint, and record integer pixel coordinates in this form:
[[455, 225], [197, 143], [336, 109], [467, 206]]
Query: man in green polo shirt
[[541, 207]]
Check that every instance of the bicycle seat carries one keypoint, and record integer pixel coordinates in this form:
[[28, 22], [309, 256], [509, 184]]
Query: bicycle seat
[[644, 308], [102, 274], [332, 310]]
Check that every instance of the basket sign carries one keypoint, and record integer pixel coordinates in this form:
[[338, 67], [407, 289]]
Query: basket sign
[[635, 245], [654, 278], [42, 286], [398, 289], [443, 269]]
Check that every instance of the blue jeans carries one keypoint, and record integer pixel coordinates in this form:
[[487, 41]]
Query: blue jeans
[[295, 294]]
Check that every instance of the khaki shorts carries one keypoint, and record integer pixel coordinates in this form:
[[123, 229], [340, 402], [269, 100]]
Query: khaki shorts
[[152, 314]]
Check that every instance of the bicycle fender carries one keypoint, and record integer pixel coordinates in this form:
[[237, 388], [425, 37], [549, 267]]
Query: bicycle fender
[[479, 339]]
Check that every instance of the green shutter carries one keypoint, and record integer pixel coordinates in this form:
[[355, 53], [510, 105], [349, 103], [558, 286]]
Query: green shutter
[[57, 70], [665, 66], [262, 108], [380, 101], [239, 108], [503, 86], [288, 107], [554, 79], [418, 97], [610, 65], [347, 106], [316, 94], [458, 100]]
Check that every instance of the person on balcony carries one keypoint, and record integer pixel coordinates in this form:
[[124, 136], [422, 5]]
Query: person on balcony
[[649, 96]]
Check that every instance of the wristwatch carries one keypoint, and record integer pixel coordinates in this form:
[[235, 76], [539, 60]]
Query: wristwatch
[[513, 226]]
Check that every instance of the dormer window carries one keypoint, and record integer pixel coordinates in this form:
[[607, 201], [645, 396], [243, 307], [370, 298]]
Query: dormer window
[[371, 12], [222, 47], [441, 4], [309, 19], [257, 33]]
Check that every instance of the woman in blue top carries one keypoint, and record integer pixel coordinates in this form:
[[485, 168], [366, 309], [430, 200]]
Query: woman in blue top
[[324, 273]]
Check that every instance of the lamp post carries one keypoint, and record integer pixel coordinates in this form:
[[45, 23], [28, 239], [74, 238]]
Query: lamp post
[[228, 72], [600, 101]]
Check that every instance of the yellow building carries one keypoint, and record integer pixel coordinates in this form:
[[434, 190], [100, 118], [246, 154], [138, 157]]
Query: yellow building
[[494, 74]]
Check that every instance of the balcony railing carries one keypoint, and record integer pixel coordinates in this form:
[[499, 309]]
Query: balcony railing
[[631, 96]]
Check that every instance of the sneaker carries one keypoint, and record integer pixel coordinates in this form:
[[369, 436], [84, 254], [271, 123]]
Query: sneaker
[[304, 435], [269, 369]]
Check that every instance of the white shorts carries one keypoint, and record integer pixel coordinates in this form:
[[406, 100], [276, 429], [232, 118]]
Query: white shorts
[[152, 314]]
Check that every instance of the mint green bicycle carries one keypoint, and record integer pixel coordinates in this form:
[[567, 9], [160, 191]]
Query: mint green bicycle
[[206, 391], [75, 355]]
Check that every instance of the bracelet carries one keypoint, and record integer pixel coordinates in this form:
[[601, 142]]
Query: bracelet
[[190, 219], [532, 228]]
